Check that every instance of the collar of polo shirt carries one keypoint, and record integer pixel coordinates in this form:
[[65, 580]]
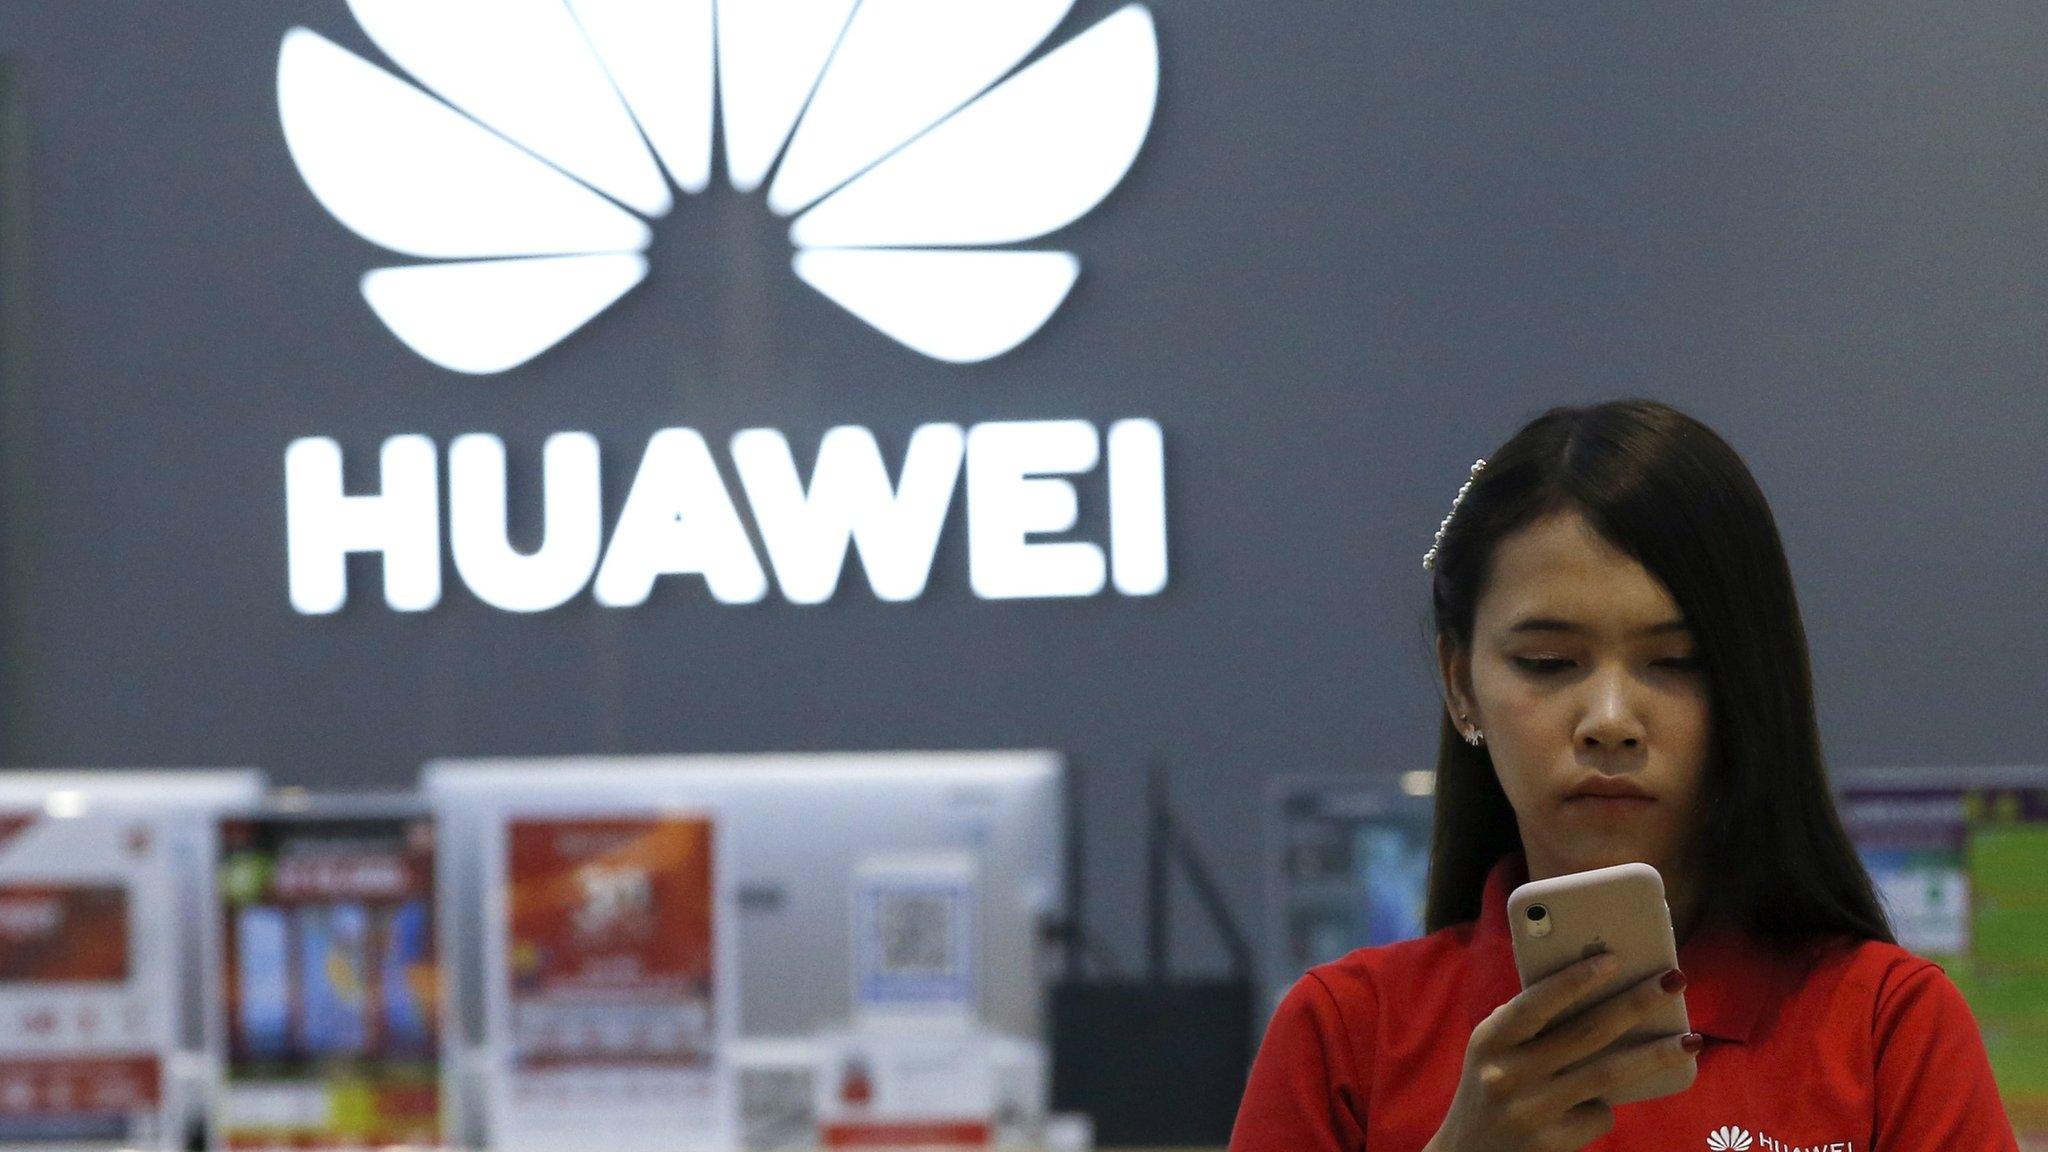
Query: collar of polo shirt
[[1731, 979]]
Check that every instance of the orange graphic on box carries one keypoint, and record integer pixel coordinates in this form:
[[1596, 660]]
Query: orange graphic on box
[[79, 1085], [63, 933], [609, 941], [611, 903]]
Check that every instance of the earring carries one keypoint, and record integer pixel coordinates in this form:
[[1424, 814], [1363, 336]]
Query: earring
[[1473, 736]]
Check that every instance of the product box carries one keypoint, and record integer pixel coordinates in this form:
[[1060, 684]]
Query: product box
[[326, 988]]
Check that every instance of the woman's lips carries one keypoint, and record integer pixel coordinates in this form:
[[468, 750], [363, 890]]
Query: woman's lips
[[1606, 805], [1605, 786]]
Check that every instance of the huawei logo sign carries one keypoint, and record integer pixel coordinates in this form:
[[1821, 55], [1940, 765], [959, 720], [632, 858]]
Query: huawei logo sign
[[518, 165], [1729, 1139]]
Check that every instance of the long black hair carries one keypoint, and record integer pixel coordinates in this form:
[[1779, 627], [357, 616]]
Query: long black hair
[[1665, 490]]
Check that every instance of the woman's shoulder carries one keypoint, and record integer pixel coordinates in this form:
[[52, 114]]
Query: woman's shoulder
[[1901, 1039], [1336, 1006], [1391, 971], [1882, 978], [1881, 961]]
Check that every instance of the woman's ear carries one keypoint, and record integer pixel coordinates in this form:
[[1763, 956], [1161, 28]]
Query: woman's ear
[[1454, 674]]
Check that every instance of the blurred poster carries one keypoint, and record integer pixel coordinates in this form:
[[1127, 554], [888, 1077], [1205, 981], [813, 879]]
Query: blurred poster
[[1349, 869], [87, 987], [1960, 870], [606, 998], [328, 985]]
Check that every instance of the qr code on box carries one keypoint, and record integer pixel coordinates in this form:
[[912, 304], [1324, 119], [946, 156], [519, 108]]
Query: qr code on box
[[917, 933]]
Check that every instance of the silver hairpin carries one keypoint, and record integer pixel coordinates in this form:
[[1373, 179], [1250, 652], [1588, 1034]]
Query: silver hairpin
[[1429, 557]]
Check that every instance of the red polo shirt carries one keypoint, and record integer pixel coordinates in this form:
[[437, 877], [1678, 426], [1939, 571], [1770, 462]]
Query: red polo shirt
[[1851, 1046]]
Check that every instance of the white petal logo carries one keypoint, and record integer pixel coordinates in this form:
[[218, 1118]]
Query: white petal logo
[[1729, 1139], [555, 127]]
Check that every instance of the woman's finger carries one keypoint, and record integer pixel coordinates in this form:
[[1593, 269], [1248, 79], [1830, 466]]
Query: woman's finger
[[1520, 1020], [1605, 1076], [1585, 1122], [1575, 1038]]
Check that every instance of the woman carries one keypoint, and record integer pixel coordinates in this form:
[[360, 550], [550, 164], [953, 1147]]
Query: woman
[[1625, 678]]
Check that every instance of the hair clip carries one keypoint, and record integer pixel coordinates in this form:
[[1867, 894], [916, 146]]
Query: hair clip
[[1429, 557]]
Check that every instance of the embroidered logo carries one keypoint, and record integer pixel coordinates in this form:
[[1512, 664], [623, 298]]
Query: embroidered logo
[[1729, 1138]]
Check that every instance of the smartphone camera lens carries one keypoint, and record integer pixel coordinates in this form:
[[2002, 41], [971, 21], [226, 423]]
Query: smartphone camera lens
[[1537, 912], [1539, 921]]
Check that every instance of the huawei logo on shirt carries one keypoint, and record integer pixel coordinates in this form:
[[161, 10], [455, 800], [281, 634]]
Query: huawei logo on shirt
[[1733, 1139], [514, 167]]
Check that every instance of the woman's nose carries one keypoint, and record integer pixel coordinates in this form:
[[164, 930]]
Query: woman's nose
[[1611, 719]]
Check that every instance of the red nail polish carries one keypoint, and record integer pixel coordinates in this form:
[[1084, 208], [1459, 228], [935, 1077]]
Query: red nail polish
[[1673, 981], [1692, 1042]]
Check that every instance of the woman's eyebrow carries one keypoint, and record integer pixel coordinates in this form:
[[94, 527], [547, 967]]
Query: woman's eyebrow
[[1553, 624]]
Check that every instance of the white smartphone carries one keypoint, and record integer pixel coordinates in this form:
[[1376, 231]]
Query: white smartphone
[[1557, 922]]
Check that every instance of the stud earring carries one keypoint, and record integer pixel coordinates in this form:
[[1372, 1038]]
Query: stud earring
[[1473, 736]]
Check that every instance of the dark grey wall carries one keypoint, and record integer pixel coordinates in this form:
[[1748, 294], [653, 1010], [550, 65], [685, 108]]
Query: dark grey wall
[[16, 478], [1363, 243]]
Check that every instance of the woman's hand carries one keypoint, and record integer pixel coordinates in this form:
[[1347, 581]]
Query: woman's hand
[[1511, 1097]]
